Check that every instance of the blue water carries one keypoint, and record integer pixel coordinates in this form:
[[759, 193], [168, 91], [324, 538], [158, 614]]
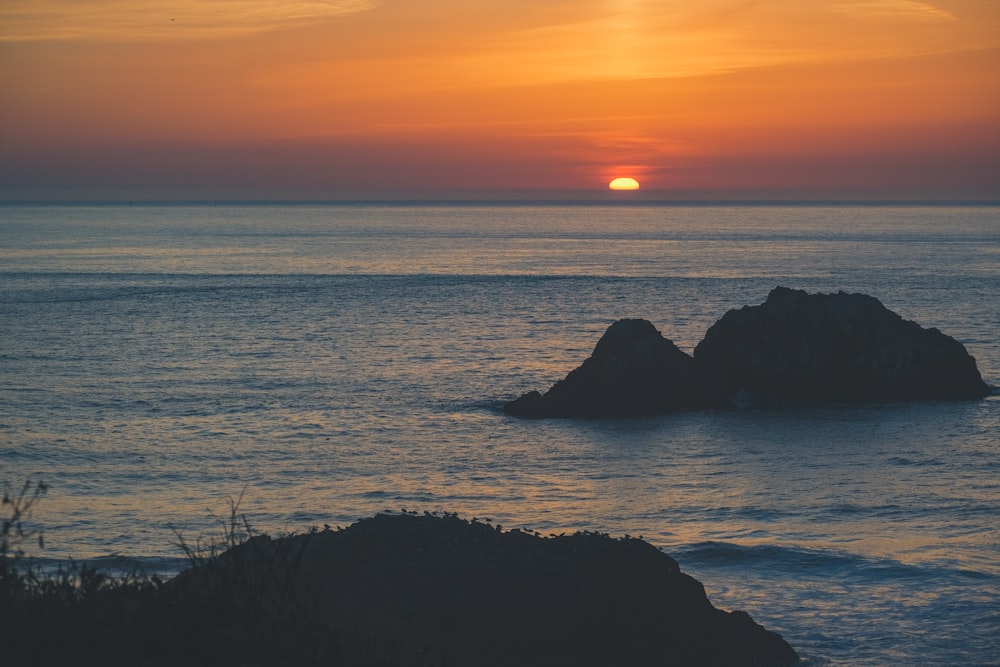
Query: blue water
[[336, 361]]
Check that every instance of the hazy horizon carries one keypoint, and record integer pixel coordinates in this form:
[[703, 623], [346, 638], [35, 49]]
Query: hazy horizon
[[505, 198]]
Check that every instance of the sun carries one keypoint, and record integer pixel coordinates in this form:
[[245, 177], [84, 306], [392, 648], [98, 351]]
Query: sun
[[624, 183]]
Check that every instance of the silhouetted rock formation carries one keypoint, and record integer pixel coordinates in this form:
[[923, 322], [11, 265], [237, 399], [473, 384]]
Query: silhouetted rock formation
[[430, 590], [633, 371], [799, 347], [794, 348]]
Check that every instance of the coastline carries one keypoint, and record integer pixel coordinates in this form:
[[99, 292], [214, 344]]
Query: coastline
[[390, 590]]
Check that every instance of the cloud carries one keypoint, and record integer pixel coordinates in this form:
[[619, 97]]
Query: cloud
[[156, 20], [895, 9]]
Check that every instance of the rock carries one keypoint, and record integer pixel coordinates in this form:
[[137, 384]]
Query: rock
[[430, 590], [794, 348], [798, 347], [633, 371]]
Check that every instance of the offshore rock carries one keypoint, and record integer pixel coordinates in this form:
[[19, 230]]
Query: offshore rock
[[795, 348], [798, 347], [632, 371], [407, 589]]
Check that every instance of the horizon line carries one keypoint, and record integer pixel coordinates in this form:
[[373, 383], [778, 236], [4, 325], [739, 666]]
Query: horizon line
[[502, 203], [505, 198]]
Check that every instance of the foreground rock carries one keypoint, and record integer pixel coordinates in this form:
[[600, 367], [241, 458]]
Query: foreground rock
[[799, 347], [633, 371], [794, 348], [429, 590]]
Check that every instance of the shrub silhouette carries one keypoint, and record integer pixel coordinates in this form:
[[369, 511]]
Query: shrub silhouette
[[398, 590]]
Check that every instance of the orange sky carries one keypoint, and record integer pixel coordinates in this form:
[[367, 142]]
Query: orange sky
[[828, 99]]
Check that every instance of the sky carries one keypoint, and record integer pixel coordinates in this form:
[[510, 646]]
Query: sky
[[356, 99]]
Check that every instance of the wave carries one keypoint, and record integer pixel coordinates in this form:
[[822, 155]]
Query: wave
[[789, 561], [114, 565], [792, 561]]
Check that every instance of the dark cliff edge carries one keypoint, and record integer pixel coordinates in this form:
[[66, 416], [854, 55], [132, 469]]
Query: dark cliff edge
[[407, 589], [795, 348]]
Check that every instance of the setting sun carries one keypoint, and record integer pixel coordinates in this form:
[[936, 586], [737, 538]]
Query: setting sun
[[624, 184], [349, 99]]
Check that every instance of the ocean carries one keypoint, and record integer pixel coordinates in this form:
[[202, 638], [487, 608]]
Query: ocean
[[333, 361]]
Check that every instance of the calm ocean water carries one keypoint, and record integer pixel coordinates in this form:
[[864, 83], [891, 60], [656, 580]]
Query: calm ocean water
[[341, 360]]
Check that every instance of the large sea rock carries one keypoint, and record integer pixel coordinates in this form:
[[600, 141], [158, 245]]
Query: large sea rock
[[798, 347], [401, 589], [795, 348], [632, 371]]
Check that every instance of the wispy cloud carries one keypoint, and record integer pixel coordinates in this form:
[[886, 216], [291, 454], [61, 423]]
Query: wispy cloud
[[895, 9], [150, 20], [409, 50]]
